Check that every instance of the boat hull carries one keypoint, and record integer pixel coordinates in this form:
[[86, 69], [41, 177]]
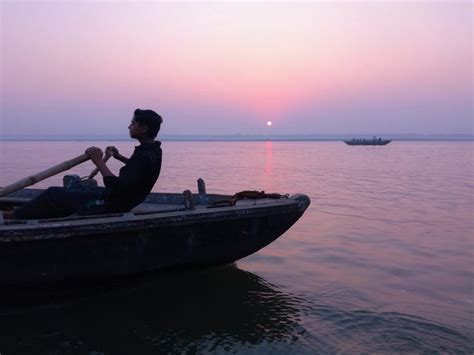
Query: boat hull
[[58, 252]]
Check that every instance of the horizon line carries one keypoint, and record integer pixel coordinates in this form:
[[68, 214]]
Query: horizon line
[[250, 137]]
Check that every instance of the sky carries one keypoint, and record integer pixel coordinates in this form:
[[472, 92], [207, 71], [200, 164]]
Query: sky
[[353, 67]]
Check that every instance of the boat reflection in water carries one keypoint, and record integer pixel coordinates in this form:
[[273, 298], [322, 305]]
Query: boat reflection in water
[[215, 310], [204, 310]]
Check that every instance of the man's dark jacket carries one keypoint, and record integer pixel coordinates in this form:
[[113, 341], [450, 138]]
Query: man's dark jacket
[[135, 180]]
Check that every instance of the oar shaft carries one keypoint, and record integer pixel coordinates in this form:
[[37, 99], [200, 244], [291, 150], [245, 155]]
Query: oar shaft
[[33, 179]]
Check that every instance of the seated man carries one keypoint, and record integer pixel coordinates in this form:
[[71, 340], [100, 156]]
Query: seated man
[[121, 193]]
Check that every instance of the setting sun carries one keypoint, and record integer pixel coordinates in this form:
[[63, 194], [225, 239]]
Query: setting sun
[[269, 123]]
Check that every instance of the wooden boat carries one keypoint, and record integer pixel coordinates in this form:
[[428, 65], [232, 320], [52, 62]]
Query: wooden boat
[[158, 234], [373, 141]]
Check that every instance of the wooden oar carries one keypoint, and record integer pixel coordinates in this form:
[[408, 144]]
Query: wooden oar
[[96, 170], [33, 179]]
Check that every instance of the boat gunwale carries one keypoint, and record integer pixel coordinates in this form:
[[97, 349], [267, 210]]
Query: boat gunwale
[[151, 198], [129, 221]]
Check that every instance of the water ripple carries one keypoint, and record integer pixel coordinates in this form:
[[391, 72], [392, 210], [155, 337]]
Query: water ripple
[[381, 262]]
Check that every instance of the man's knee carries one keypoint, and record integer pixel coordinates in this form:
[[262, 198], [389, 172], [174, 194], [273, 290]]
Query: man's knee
[[54, 191], [56, 195]]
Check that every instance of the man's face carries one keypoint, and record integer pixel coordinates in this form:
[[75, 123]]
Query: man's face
[[135, 130]]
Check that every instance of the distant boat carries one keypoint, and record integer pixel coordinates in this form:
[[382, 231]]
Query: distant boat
[[363, 141]]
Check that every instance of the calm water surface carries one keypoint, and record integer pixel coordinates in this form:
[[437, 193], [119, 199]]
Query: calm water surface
[[381, 262]]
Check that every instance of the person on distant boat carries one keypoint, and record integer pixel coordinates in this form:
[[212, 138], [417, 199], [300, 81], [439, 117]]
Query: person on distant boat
[[121, 193]]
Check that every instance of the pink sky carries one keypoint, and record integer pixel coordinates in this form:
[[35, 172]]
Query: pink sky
[[224, 68]]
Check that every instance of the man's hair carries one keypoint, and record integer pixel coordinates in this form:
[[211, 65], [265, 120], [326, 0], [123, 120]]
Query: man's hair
[[150, 119]]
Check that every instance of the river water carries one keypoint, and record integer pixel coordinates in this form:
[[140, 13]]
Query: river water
[[381, 262]]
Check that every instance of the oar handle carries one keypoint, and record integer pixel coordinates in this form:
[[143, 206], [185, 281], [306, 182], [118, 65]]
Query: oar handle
[[33, 179], [96, 170]]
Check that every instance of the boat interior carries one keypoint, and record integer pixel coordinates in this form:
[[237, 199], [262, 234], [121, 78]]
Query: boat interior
[[155, 203]]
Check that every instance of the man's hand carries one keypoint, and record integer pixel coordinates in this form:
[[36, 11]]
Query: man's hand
[[111, 152], [95, 154]]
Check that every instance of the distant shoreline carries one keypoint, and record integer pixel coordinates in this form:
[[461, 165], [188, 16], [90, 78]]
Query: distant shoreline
[[228, 140], [249, 137]]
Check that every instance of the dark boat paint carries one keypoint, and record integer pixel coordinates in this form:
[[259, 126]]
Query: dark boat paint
[[118, 245]]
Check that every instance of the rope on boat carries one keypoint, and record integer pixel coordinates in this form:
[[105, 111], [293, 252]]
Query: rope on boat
[[244, 195]]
